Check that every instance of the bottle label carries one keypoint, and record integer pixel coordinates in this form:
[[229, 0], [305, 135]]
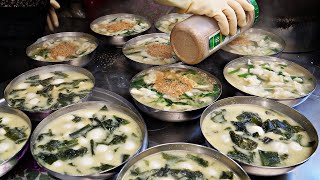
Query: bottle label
[[217, 38]]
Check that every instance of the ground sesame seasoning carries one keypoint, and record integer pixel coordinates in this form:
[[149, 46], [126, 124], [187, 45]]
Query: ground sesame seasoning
[[160, 50]]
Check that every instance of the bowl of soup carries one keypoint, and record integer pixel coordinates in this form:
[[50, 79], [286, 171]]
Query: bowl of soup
[[88, 140], [271, 77], [116, 29], [174, 92], [181, 161], [74, 48], [42, 90], [267, 138], [150, 49], [15, 130], [256, 42], [167, 22]]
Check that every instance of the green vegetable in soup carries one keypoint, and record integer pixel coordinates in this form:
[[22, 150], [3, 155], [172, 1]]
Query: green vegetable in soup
[[125, 157], [245, 75], [117, 139], [104, 108], [53, 145], [92, 147], [41, 136], [234, 71], [226, 175], [103, 167], [249, 117], [298, 139], [18, 135], [139, 83], [47, 158], [269, 158], [70, 154], [169, 157], [199, 160], [60, 74], [42, 52], [81, 132], [236, 154], [266, 140], [76, 119], [219, 116], [242, 142]]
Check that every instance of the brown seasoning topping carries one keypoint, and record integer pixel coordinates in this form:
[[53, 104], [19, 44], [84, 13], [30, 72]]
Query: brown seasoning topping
[[160, 50], [172, 84], [241, 41], [63, 49], [119, 26]]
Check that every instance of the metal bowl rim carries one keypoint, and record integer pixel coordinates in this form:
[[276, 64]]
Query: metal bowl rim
[[168, 147], [202, 118], [78, 106], [61, 35], [20, 77], [101, 18], [168, 16], [276, 37], [182, 66], [142, 37], [19, 113], [274, 59]]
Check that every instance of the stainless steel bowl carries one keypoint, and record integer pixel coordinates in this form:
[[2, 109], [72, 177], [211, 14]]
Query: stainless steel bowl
[[169, 16], [269, 104], [290, 102], [173, 116], [7, 165], [117, 41], [80, 61], [85, 105], [139, 65], [194, 148], [232, 55], [38, 116]]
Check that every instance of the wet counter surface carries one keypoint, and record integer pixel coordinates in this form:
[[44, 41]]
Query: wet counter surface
[[113, 72]]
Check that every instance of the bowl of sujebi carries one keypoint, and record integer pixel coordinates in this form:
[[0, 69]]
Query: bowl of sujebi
[[117, 29], [272, 78], [174, 92], [149, 50], [254, 42], [167, 22], [74, 48], [42, 90], [15, 130], [267, 138], [89, 140], [181, 161]]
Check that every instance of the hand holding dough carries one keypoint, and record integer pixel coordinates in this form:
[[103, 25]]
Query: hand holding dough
[[52, 18], [228, 13]]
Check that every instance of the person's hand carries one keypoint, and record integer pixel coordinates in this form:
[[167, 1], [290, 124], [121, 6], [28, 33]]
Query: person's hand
[[228, 13], [52, 18]]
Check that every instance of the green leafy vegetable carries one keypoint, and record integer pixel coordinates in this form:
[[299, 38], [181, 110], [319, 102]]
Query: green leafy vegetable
[[60, 74], [242, 142], [251, 117], [269, 158], [245, 75], [219, 116], [103, 167], [70, 154], [76, 119], [236, 154], [298, 139], [92, 147], [266, 140], [42, 135], [170, 157], [121, 120], [58, 145], [81, 132], [104, 108], [226, 175], [47, 158], [18, 135], [125, 157], [199, 160], [117, 139], [234, 71], [139, 83]]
